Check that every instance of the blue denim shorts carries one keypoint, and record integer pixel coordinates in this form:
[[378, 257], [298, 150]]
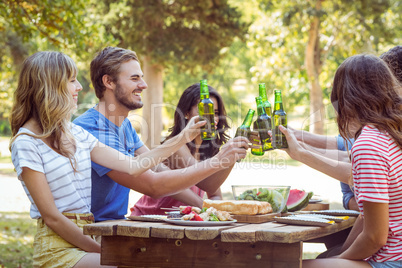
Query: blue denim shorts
[[387, 264]]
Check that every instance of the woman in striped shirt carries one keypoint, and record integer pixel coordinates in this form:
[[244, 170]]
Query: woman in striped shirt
[[367, 95]]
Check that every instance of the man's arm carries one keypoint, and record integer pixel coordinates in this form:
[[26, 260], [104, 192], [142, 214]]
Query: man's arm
[[315, 140], [183, 158], [158, 184], [215, 196], [336, 154], [336, 169], [352, 204], [178, 161]]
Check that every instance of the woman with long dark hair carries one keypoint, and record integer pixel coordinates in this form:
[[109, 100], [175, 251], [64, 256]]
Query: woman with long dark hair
[[194, 151]]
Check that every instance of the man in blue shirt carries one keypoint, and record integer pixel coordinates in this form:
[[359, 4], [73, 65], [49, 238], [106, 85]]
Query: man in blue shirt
[[348, 197], [109, 199], [118, 81]]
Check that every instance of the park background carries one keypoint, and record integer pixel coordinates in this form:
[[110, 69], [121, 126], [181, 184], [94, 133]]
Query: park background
[[291, 45]]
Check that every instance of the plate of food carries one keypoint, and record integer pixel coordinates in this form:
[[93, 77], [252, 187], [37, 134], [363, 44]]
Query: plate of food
[[199, 223], [194, 216]]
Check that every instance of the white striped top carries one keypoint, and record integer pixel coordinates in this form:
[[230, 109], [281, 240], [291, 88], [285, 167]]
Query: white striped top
[[71, 190], [377, 176]]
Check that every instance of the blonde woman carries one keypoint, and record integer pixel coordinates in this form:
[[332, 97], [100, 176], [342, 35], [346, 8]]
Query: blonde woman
[[53, 157]]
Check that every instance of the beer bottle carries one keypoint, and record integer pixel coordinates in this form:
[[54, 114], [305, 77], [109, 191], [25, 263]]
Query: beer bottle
[[256, 151], [206, 112], [279, 118], [244, 129], [263, 94], [264, 125]]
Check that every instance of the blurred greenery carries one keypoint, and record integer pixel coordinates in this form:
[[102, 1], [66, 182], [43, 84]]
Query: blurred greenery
[[235, 44], [17, 232]]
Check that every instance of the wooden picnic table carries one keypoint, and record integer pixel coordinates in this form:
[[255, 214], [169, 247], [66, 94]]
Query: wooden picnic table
[[128, 243]]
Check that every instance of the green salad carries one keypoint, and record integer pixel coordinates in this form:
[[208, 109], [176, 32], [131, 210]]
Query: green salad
[[274, 197]]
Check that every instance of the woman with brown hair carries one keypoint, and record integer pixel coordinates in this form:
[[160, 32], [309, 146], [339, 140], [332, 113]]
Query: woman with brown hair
[[366, 97]]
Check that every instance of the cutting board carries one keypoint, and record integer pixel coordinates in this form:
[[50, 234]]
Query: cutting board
[[255, 218]]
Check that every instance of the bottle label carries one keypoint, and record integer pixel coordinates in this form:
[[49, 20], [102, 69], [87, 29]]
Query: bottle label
[[278, 137], [208, 130], [242, 132], [264, 125], [256, 151]]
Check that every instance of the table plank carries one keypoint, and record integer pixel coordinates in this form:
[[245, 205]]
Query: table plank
[[134, 228], [158, 252], [102, 228], [207, 233], [246, 233]]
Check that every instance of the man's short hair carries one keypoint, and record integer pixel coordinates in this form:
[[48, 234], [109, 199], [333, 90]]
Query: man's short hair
[[108, 62], [393, 58]]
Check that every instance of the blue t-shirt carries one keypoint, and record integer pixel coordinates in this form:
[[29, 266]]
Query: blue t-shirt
[[109, 200], [346, 191]]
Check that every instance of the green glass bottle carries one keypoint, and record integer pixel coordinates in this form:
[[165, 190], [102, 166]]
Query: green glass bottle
[[263, 94], [256, 151], [279, 118], [264, 125], [206, 112], [244, 129]]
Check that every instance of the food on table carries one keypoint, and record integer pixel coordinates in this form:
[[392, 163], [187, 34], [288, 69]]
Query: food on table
[[298, 199], [272, 196], [204, 214], [188, 209], [239, 207]]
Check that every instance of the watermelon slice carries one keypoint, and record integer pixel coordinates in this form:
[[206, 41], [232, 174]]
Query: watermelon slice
[[298, 199]]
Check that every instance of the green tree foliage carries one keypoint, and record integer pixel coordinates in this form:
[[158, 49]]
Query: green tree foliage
[[30, 26], [281, 35], [185, 34]]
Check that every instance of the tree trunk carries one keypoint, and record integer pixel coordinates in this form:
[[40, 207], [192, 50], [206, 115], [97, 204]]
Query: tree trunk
[[153, 103], [313, 67]]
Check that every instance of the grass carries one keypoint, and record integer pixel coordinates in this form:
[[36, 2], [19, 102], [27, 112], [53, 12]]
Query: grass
[[17, 232], [7, 171], [5, 159]]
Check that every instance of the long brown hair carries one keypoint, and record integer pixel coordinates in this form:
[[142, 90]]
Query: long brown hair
[[365, 92], [42, 94], [189, 98]]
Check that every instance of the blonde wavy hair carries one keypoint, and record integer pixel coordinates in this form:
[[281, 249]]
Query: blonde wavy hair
[[42, 94]]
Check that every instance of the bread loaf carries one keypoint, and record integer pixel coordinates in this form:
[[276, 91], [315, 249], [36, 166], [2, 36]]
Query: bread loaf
[[239, 207]]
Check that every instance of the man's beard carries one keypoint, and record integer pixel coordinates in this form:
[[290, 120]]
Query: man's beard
[[126, 102]]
